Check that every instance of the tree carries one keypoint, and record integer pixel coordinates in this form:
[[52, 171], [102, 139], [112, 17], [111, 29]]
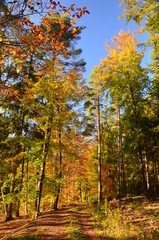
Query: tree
[[146, 13], [93, 104], [18, 83], [121, 70]]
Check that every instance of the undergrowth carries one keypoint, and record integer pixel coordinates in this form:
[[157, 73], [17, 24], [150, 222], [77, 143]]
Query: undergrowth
[[73, 230], [124, 222]]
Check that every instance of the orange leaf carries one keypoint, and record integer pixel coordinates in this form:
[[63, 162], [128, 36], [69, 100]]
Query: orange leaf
[[62, 26], [74, 21], [72, 8], [17, 21]]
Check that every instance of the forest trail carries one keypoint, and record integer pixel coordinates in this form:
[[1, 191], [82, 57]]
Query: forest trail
[[71, 222]]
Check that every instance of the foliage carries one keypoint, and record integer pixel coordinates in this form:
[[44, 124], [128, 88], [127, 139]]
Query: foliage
[[124, 222], [73, 231], [64, 140]]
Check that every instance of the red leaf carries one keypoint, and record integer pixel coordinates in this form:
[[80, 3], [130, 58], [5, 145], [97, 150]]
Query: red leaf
[[72, 8]]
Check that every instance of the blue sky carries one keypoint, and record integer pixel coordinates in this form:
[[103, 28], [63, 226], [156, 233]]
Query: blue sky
[[101, 24]]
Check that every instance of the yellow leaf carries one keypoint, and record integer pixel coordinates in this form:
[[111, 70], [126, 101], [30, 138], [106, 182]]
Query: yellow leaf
[[74, 30]]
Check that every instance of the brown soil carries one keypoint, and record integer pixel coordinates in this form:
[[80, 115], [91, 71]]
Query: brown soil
[[73, 222], [51, 225]]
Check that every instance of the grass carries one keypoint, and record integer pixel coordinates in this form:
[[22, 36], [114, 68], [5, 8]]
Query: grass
[[127, 220], [73, 231]]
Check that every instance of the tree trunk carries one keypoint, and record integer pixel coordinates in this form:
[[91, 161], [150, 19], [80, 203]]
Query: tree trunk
[[21, 182], [42, 173], [9, 207], [147, 176], [26, 191], [80, 192], [60, 174], [123, 175], [99, 150], [121, 169], [119, 151], [6, 205], [144, 188], [119, 178], [9, 212], [20, 132]]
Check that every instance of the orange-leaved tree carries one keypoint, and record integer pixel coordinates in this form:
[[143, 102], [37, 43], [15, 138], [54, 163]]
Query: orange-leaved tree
[[29, 54]]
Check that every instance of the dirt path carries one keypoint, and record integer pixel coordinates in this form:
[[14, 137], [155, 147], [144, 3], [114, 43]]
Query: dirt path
[[67, 223]]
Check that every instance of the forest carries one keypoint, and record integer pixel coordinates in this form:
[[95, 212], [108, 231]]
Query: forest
[[79, 156]]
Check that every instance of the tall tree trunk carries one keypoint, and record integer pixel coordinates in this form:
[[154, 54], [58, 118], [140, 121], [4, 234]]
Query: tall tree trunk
[[121, 169], [21, 182], [26, 190], [99, 150], [73, 190], [144, 188], [147, 175], [6, 205], [42, 172], [60, 173], [119, 152], [119, 178], [123, 173], [20, 132], [80, 188], [9, 208]]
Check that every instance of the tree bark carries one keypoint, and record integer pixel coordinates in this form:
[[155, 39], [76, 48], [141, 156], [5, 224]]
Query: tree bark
[[99, 149], [26, 191], [147, 175], [121, 169], [60, 174], [144, 188], [9, 207], [42, 172], [119, 152], [21, 182]]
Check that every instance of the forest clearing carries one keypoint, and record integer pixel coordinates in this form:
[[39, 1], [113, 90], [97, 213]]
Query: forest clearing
[[79, 119]]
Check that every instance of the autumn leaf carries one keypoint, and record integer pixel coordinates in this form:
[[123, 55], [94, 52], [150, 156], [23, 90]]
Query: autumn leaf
[[17, 21], [72, 8]]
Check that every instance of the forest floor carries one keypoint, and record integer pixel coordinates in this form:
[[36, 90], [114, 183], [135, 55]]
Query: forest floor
[[130, 220]]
